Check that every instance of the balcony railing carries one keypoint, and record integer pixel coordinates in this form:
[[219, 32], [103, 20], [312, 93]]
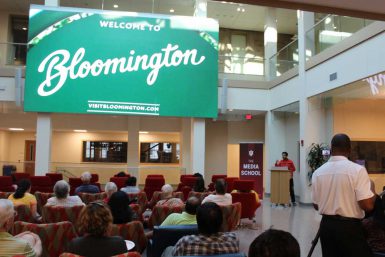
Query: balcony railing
[[330, 31], [241, 65], [284, 60], [13, 53]]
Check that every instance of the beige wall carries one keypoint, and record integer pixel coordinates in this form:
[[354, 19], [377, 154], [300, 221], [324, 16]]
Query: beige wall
[[4, 145]]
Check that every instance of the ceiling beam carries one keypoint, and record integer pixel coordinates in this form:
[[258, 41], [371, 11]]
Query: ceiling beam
[[313, 7]]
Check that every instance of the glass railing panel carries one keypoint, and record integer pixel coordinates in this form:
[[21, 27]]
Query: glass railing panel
[[247, 65], [13, 53], [284, 60]]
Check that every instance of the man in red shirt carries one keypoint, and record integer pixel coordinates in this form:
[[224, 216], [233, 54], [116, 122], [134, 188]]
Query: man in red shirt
[[286, 162]]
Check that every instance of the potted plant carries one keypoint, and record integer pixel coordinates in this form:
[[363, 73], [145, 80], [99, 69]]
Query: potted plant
[[318, 155]]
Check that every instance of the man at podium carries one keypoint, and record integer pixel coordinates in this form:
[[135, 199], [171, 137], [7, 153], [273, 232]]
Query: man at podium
[[286, 162]]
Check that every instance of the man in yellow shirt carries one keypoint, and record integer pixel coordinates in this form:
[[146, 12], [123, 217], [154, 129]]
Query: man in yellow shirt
[[188, 217], [10, 245]]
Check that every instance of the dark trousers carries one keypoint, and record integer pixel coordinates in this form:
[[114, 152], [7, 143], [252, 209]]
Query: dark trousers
[[343, 238], [292, 195]]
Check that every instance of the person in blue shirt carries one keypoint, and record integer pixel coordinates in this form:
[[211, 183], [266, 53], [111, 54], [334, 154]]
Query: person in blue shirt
[[86, 187]]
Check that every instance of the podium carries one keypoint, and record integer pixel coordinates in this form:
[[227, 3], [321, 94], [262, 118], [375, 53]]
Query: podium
[[280, 189]]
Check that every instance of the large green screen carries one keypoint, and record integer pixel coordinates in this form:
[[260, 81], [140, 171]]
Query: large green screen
[[103, 62]]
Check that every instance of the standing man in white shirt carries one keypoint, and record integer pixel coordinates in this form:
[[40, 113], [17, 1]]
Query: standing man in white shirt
[[341, 193]]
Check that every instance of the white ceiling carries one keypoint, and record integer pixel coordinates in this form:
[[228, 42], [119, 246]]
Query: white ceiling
[[226, 13]]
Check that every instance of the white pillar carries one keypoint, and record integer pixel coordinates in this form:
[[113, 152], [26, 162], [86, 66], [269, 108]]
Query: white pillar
[[198, 134], [200, 8], [133, 127], [185, 146], [270, 41], [52, 2], [43, 144]]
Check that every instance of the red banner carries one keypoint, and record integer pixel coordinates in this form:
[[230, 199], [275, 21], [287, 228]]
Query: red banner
[[251, 164]]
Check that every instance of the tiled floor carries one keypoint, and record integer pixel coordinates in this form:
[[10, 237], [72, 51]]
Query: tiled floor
[[301, 221]]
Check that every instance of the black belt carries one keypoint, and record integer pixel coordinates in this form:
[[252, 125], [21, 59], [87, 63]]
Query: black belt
[[338, 217]]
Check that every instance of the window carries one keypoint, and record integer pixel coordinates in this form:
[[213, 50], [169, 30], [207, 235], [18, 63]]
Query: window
[[104, 151], [370, 154], [159, 152], [17, 52]]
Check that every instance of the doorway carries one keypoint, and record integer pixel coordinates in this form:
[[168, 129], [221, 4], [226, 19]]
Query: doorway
[[29, 157]]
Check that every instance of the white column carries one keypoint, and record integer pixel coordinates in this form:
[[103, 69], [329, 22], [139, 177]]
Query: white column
[[185, 146], [133, 146], [200, 8], [52, 2], [198, 134], [270, 40], [43, 144]]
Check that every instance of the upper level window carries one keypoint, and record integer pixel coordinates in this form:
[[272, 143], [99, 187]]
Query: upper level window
[[17, 51], [95, 151], [159, 152]]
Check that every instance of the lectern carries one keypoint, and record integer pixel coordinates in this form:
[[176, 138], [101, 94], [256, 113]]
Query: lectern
[[280, 190]]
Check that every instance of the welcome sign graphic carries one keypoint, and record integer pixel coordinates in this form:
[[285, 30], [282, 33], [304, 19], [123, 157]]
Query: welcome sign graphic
[[104, 62]]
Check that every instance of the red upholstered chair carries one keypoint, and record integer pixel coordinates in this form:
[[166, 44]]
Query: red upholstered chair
[[54, 237], [155, 176], [52, 214], [214, 178], [231, 216], [41, 184], [128, 254], [6, 184], [19, 176], [24, 214], [55, 177], [94, 178], [132, 231], [246, 198], [158, 195], [119, 181], [230, 183], [126, 175], [41, 199], [160, 213], [182, 180], [199, 195], [136, 210], [74, 183], [5, 195], [141, 200], [89, 198], [153, 184]]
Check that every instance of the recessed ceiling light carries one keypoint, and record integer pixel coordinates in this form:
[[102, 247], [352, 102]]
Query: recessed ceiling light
[[80, 130], [16, 129], [116, 6], [172, 10], [239, 9], [24, 28], [143, 132]]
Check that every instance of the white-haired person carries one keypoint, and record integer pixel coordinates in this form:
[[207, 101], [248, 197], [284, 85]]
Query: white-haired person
[[62, 197], [25, 244], [168, 199], [86, 187], [109, 188]]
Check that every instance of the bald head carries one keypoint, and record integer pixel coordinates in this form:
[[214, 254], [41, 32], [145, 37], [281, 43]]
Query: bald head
[[341, 145], [192, 205]]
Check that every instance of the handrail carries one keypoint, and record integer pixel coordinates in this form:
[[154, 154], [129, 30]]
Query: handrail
[[283, 48], [14, 43], [319, 22], [241, 57]]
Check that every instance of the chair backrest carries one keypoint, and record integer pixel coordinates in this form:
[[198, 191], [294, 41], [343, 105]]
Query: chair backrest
[[24, 214], [41, 184], [141, 200], [190, 181], [230, 183], [94, 178], [231, 216], [52, 214], [54, 237], [248, 204], [182, 177], [244, 185], [155, 176], [5, 195], [199, 195], [55, 177], [89, 198], [128, 254], [6, 184], [19, 176], [153, 184], [119, 181], [74, 183], [168, 236], [160, 213], [41, 199], [222, 255], [132, 231], [159, 195]]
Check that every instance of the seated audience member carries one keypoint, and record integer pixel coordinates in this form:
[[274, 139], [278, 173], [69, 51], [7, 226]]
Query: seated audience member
[[199, 185], [25, 244], [86, 187], [209, 241], [94, 222], [130, 186], [274, 243], [375, 227], [220, 196], [188, 217], [22, 196], [109, 188], [61, 198], [120, 208], [169, 200]]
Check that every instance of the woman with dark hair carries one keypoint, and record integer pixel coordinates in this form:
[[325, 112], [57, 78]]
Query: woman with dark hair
[[199, 185], [22, 196], [120, 208], [94, 222]]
